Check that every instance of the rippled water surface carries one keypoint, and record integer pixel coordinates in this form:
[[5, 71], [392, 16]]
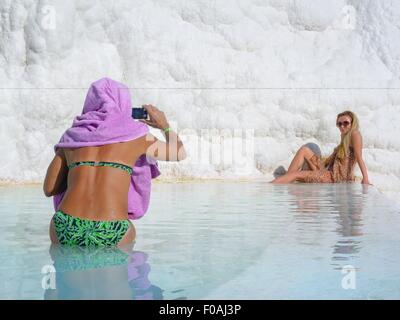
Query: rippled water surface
[[214, 240]]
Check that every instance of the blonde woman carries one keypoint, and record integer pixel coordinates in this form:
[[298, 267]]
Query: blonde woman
[[339, 166]]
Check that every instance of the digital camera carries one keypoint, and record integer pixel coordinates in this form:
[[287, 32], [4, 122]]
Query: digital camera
[[139, 113]]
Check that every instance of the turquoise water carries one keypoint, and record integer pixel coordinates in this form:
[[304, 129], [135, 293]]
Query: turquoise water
[[214, 240]]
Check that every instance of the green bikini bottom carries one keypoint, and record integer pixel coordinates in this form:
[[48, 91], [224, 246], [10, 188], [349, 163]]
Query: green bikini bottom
[[82, 232]]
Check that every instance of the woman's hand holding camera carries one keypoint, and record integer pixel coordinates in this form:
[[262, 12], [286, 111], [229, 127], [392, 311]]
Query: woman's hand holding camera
[[157, 117]]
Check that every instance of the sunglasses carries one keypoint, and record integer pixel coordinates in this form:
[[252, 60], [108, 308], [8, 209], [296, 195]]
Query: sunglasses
[[344, 123]]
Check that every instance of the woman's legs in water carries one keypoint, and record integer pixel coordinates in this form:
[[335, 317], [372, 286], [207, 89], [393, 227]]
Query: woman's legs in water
[[129, 236], [53, 234]]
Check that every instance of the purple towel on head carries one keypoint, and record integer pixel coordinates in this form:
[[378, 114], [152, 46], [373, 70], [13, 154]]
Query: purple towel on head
[[107, 118]]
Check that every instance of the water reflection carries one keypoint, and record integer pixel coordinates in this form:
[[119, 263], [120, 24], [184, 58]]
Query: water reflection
[[306, 198], [349, 207], [101, 273], [315, 207]]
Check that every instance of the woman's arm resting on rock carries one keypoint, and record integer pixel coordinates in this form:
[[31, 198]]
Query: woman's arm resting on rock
[[357, 145]]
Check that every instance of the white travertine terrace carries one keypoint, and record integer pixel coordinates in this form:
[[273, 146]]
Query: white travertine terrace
[[281, 68]]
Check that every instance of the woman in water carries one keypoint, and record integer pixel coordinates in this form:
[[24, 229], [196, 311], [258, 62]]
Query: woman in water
[[94, 209], [339, 166]]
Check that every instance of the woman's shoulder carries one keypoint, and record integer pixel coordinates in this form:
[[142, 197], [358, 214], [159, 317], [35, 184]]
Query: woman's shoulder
[[356, 133], [356, 138]]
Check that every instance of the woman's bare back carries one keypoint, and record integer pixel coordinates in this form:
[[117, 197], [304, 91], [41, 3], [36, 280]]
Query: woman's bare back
[[100, 192]]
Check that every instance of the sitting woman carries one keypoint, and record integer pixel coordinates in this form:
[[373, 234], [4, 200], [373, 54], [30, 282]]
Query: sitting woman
[[339, 166]]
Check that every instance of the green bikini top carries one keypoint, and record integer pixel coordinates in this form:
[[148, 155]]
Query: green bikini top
[[102, 164]]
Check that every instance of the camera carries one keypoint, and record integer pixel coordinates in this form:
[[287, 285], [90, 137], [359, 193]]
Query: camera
[[139, 113]]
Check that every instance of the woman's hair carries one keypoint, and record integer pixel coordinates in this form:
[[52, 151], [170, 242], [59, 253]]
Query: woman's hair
[[343, 147]]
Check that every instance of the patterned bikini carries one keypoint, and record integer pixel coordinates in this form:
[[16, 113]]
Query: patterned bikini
[[72, 230]]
